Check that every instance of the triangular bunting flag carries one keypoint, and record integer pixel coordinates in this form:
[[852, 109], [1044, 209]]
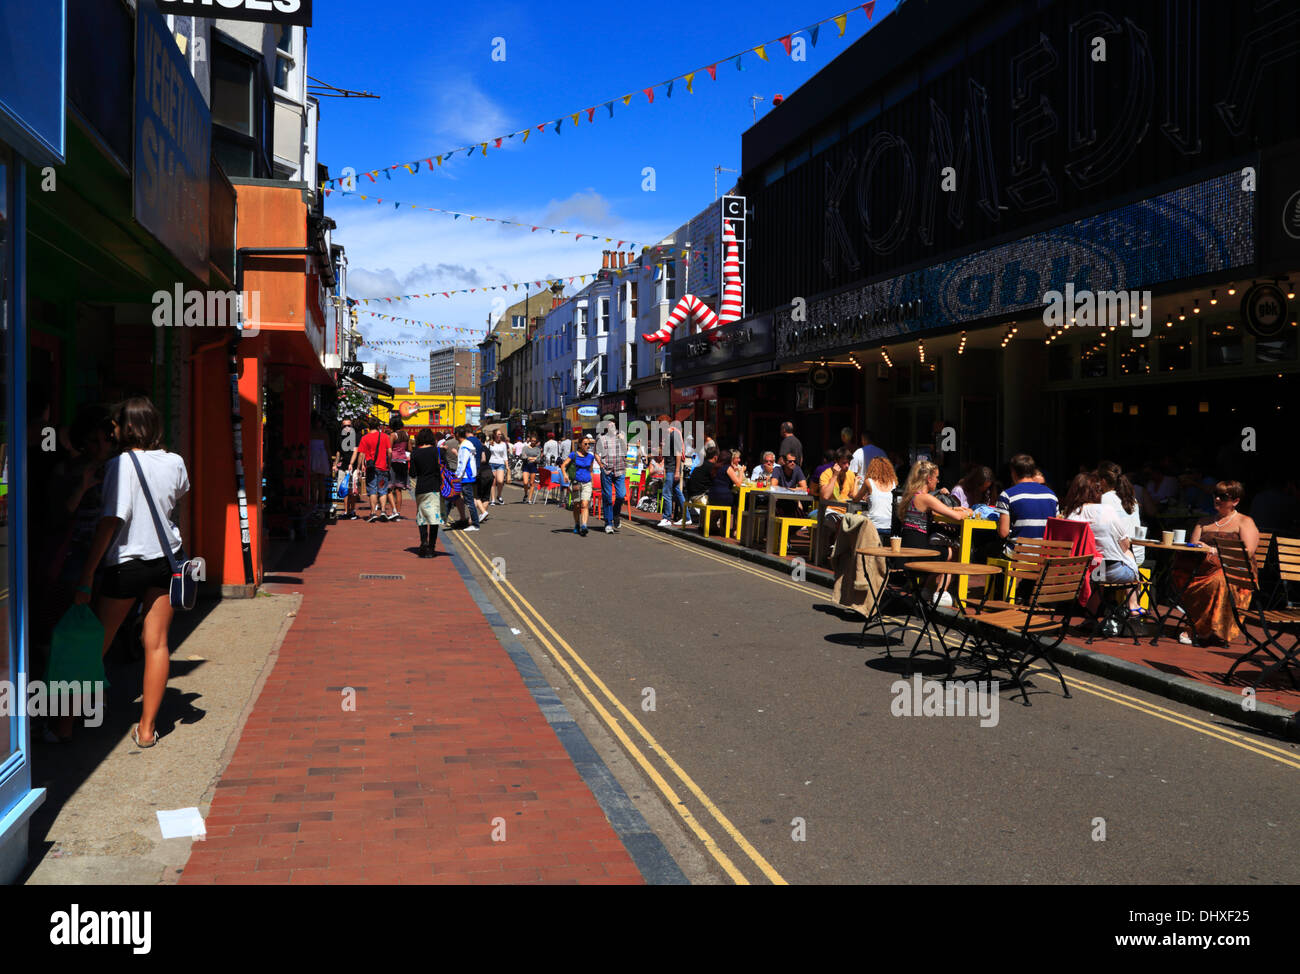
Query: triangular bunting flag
[[650, 94], [813, 31], [590, 113], [542, 127], [627, 99], [574, 116], [498, 142], [610, 106], [558, 123], [526, 131], [371, 176], [840, 21], [388, 175], [761, 52], [740, 65], [669, 91], [471, 149], [439, 160], [785, 42], [713, 71], [690, 78], [484, 145], [619, 244], [869, 7]]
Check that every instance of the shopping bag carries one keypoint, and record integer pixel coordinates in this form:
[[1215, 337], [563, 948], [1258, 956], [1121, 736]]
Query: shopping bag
[[77, 648], [345, 485]]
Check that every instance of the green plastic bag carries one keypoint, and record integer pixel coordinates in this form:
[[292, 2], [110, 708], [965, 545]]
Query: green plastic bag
[[77, 648]]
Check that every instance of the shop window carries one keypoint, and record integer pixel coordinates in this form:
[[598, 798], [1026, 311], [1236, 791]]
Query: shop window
[[1060, 362], [1094, 358], [774, 172], [927, 378], [1280, 349], [1176, 349], [1135, 357], [1223, 346], [902, 380], [232, 95]]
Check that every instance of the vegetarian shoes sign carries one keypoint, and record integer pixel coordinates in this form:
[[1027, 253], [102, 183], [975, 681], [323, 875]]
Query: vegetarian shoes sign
[[263, 11]]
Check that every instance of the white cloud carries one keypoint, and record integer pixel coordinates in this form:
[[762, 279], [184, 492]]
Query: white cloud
[[465, 115], [584, 210]]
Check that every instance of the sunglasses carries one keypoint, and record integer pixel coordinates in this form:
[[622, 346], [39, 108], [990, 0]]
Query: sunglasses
[[1221, 497]]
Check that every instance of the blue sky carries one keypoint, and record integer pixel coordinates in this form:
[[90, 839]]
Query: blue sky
[[441, 89]]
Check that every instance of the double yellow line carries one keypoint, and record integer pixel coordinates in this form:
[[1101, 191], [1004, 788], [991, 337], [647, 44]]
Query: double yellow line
[[1282, 755], [569, 660]]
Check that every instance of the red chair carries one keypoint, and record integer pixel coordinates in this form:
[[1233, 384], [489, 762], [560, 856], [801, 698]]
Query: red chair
[[634, 491]]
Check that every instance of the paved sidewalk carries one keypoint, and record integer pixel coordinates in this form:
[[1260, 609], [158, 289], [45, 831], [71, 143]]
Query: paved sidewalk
[[446, 771]]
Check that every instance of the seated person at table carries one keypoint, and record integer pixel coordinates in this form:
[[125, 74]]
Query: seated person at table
[[838, 484], [766, 469], [654, 481], [701, 478], [915, 510], [726, 478], [828, 461], [975, 488], [877, 491], [1083, 503], [1206, 593], [1026, 505], [789, 476], [1118, 491]]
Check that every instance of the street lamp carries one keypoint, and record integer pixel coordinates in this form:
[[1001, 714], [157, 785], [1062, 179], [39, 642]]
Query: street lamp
[[558, 388]]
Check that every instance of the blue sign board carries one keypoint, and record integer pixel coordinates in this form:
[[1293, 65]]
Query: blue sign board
[[173, 145], [1189, 232], [33, 69]]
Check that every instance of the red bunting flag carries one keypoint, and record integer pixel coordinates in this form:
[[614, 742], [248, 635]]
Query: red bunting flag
[[650, 94], [542, 127], [713, 71], [869, 7], [498, 142], [372, 176], [590, 113], [785, 42]]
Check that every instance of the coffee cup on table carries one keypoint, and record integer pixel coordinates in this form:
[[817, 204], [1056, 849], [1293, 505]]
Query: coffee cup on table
[[1166, 537], [1141, 532], [895, 545], [1180, 536]]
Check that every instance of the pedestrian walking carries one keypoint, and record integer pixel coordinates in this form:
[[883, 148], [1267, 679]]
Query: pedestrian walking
[[129, 542], [611, 448], [577, 477], [467, 460], [426, 462], [674, 449], [790, 444], [448, 448], [551, 451], [531, 454], [372, 458], [499, 462], [398, 465], [347, 479], [483, 483]]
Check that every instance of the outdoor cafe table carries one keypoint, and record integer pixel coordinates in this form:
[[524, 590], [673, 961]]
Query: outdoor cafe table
[[1165, 575], [877, 614], [775, 494], [929, 627]]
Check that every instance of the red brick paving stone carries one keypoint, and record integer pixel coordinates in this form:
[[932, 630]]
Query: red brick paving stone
[[445, 737]]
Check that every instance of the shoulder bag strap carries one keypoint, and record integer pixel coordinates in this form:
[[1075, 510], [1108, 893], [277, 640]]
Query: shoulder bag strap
[[153, 511]]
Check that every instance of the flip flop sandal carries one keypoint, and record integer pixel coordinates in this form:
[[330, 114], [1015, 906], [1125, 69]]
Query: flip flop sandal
[[135, 736]]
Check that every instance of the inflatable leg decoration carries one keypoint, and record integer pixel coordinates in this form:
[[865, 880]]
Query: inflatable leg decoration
[[692, 307]]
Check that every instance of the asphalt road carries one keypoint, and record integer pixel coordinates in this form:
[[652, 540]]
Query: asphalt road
[[771, 753]]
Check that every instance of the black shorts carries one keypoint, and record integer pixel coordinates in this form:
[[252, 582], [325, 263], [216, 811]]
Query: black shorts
[[530, 466], [132, 579]]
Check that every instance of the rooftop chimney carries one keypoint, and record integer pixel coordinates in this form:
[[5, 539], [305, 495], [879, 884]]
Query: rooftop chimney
[[622, 258], [604, 260], [410, 386]]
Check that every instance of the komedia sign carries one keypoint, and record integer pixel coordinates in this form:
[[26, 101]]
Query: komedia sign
[[262, 11]]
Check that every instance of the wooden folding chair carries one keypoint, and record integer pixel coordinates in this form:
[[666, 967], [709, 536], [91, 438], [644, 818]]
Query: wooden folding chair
[[1286, 559], [1273, 624], [1020, 635], [1026, 564]]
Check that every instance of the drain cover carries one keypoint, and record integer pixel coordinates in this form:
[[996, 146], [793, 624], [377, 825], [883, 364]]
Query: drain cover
[[382, 578]]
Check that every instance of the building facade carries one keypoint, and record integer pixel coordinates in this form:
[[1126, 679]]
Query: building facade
[[455, 369]]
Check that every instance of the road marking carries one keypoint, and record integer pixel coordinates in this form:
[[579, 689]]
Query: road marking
[[478, 557]]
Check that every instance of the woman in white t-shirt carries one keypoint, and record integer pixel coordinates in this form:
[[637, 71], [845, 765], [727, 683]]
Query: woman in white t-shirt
[[1121, 494], [878, 490], [136, 566], [1082, 502], [499, 461]]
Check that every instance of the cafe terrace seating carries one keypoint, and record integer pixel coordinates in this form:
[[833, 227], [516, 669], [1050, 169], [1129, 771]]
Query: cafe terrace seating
[[1274, 624]]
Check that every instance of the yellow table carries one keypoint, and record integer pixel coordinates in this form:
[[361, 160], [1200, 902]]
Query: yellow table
[[968, 528], [742, 490]]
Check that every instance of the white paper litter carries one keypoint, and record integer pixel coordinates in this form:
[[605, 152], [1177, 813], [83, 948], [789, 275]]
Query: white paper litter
[[515, 631], [182, 823]]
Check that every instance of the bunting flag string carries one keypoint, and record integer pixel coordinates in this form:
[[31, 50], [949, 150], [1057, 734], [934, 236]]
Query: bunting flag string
[[456, 215], [427, 324], [435, 161], [581, 279]]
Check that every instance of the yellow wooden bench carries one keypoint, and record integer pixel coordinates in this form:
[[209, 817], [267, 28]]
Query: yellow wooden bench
[[708, 510], [784, 526]]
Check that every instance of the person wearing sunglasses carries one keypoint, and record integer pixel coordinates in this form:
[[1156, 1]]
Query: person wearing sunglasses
[[1205, 599]]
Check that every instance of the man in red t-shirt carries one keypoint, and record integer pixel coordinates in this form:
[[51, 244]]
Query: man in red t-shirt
[[373, 451]]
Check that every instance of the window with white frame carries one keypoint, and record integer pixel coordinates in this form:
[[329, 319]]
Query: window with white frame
[[580, 319], [602, 316], [518, 322], [665, 282], [284, 62]]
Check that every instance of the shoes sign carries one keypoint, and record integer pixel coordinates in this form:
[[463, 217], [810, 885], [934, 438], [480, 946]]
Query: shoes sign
[[262, 11]]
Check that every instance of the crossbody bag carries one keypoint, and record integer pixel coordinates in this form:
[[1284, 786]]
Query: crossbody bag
[[185, 572]]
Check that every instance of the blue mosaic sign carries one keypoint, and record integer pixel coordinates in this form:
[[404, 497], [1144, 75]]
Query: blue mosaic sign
[[1196, 230]]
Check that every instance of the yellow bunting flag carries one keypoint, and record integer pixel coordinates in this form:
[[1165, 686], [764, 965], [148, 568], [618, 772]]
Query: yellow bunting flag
[[840, 21], [761, 52], [484, 145], [627, 99], [574, 116], [526, 131], [440, 160], [690, 78]]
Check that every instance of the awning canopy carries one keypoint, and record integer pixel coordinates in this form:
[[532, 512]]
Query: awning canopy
[[372, 385]]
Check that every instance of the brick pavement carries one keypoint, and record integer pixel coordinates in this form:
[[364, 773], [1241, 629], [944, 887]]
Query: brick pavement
[[445, 741]]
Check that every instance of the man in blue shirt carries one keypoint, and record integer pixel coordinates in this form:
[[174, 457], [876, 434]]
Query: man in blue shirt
[[481, 462], [864, 454], [1026, 505]]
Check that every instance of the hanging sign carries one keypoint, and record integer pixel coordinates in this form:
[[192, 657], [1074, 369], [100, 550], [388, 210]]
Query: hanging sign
[[260, 11], [1264, 309]]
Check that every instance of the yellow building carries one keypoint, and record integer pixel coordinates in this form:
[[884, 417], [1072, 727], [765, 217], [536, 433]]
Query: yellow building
[[425, 409]]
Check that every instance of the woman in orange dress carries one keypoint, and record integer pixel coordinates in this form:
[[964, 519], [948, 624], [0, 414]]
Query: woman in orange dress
[[1205, 599]]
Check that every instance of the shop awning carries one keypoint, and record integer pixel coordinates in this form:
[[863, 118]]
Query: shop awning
[[372, 385]]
